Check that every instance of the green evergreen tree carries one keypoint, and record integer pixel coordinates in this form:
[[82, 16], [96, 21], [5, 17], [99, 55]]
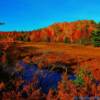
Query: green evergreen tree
[[96, 38]]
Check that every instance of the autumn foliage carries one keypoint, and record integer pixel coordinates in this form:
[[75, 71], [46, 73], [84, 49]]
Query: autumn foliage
[[57, 32], [79, 65]]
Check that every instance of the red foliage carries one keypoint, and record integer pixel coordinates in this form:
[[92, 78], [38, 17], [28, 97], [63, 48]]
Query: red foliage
[[56, 32]]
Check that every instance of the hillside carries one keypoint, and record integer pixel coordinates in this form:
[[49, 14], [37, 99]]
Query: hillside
[[58, 32]]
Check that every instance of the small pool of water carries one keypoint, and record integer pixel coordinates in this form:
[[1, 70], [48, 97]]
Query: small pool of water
[[46, 79]]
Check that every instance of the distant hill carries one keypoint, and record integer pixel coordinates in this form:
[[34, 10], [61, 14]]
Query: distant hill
[[58, 32]]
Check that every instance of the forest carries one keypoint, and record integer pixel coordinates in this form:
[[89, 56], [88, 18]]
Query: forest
[[67, 32]]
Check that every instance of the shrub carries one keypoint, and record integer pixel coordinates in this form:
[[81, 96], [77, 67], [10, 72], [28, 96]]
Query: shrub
[[79, 81]]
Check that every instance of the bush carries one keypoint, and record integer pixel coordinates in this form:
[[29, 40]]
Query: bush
[[79, 81]]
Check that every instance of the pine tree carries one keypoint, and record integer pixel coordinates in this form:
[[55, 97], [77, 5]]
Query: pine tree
[[96, 38]]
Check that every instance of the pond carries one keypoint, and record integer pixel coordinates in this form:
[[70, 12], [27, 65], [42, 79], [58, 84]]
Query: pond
[[46, 79]]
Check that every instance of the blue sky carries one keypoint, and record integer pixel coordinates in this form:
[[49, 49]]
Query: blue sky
[[25, 15]]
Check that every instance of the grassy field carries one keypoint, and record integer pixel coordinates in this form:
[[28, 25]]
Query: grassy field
[[71, 49], [66, 53]]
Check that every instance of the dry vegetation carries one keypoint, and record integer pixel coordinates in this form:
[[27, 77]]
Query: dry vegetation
[[75, 57]]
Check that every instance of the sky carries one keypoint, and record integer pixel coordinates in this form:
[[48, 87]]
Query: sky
[[27, 15]]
